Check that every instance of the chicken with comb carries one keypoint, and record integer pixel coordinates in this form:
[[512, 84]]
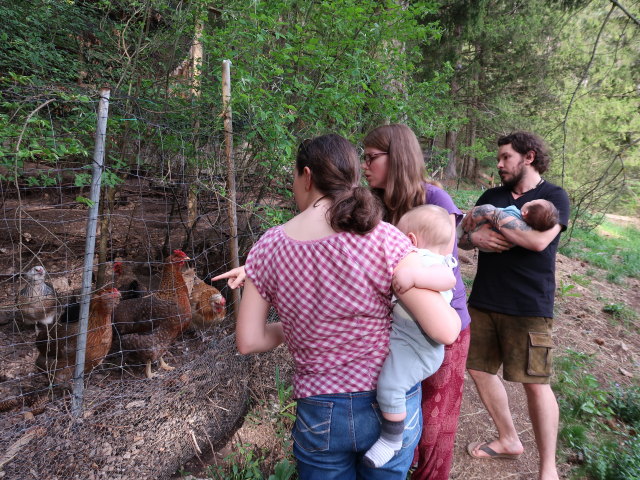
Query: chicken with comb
[[147, 326], [207, 305]]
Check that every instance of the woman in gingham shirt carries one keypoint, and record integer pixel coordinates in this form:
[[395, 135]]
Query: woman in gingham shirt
[[328, 273]]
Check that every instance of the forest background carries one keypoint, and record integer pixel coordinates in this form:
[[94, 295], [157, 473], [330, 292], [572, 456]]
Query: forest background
[[460, 73]]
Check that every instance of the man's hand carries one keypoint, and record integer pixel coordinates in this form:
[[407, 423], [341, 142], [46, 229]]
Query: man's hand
[[488, 240]]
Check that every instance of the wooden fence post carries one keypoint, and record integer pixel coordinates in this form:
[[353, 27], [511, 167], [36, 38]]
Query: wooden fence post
[[231, 174]]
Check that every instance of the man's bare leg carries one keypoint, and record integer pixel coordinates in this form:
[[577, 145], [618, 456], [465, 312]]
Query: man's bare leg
[[494, 396], [544, 415]]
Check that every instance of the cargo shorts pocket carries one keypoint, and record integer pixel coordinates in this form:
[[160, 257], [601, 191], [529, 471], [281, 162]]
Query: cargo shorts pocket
[[539, 362]]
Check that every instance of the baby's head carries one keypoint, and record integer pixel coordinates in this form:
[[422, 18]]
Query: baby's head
[[540, 214], [428, 226]]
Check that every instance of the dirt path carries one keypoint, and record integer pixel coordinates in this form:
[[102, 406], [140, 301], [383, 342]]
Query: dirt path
[[579, 325]]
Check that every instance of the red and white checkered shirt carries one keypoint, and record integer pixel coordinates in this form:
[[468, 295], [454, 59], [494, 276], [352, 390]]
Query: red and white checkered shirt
[[333, 297]]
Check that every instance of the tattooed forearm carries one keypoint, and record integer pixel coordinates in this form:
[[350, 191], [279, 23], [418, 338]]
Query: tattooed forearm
[[514, 224], [483, 211], [500, 220]]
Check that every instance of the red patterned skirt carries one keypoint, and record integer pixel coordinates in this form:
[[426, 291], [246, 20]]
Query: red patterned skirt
[[441, 400]]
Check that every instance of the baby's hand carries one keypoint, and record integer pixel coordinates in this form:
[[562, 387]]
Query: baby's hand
[[403, 280]]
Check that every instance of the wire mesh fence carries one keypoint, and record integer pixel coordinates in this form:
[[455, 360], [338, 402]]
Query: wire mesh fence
[[163, 191]]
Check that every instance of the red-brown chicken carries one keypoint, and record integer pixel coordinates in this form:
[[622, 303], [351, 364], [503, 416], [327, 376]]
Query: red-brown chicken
[[207, 305], [57, 345], [147, 326]]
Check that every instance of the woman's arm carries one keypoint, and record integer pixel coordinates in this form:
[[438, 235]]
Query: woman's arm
[[431, 311], [434, 277], [253, 333]]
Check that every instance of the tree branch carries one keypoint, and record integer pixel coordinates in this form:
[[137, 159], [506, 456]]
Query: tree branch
[[617, 4], [573, 96]]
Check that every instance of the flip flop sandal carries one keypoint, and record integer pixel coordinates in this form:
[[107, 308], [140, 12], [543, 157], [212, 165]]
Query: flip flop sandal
[[492, 454]]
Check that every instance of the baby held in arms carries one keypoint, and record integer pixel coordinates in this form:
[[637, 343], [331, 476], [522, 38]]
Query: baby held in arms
[[537, 214], [413, 355]]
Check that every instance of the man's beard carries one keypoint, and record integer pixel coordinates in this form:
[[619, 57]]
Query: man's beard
[[514, 178]]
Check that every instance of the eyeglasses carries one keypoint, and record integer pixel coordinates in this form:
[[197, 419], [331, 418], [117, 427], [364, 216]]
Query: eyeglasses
[[367, 158]]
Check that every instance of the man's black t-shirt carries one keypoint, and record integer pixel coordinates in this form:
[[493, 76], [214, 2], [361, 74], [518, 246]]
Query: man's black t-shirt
[[518, 281]]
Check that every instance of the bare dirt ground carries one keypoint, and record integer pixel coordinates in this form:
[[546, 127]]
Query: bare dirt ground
[[580, 325]]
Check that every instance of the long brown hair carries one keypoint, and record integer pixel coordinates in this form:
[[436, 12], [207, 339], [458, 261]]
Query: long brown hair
[[405, 186], [335, 172]]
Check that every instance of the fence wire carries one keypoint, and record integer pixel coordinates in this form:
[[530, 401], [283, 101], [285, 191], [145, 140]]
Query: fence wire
[[155, 161]]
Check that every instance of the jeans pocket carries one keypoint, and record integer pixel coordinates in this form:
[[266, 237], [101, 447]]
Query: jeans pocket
[[413, 421], [312, 428], [539, 360]]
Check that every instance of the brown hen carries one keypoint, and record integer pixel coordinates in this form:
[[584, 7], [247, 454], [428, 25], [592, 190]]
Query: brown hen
[[126, 281], [207, 305], [57, 345], [147, 326]]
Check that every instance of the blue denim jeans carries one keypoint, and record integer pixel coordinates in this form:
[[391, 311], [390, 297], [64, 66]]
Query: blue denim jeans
[[333, 432]]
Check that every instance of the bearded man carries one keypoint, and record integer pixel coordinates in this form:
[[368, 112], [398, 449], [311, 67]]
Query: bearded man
[[511, 302]]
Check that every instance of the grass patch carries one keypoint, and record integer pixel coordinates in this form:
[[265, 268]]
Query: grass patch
[[598, 425], [610, 247], [582, 280], [622, 313], [465, 199]]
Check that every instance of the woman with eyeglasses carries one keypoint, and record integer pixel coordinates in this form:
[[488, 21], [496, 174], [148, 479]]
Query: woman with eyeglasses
[[328, 273], [393, 165]]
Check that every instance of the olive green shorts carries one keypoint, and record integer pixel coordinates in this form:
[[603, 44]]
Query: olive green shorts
[[521, 344]]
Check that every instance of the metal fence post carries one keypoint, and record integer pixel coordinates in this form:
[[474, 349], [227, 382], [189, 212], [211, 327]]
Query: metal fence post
[[90, 243]]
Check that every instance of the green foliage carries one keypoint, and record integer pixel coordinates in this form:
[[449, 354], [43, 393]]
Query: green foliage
[[610, 247], [38, 38], [596, 423], [286, 405], [277, 413], [284, 470], [613, 461], [582, 280], [579, 393], [321, 67], [597, 128], [566, 290], [273, 216], [464, 199], [625, 403], [241, 464], [621, 312]]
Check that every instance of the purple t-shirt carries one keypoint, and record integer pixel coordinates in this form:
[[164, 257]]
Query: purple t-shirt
[[437, 196]]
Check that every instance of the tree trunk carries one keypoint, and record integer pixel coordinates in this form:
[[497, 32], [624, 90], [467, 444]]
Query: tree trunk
[[196, 54], [450, 170], [106, 207]]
